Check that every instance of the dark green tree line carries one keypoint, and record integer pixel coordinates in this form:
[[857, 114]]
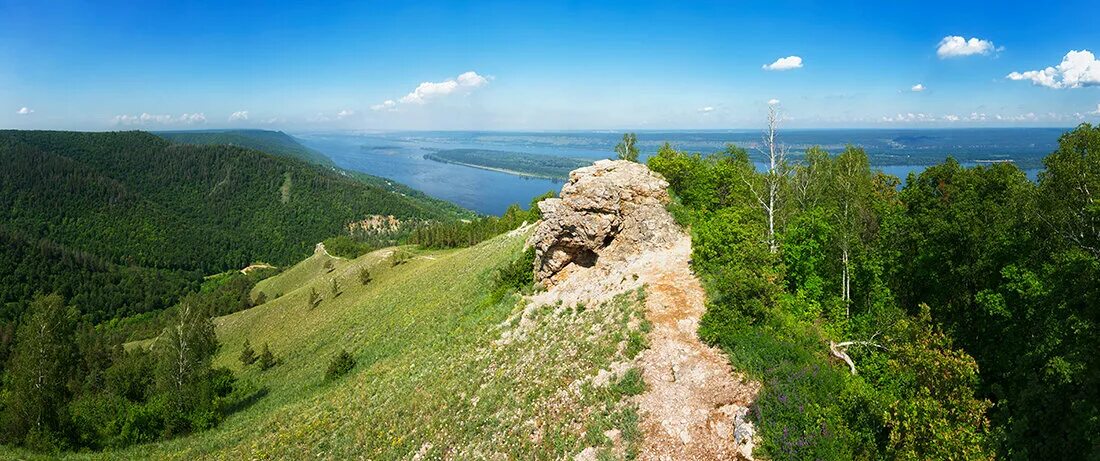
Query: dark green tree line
[[953, 319]]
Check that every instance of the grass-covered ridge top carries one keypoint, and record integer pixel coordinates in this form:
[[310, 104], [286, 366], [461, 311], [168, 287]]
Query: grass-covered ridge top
[[430, 375], [517, 163]]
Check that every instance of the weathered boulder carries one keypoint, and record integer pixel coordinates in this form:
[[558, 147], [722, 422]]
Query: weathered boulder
[[610, 210]]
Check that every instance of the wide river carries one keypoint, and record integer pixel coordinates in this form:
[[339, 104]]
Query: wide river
[[400, 155]]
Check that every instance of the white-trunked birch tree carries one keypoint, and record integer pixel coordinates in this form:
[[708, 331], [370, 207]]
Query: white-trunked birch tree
[[185, 350], [768, 190]]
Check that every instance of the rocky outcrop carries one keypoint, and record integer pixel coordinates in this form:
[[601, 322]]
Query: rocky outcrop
[[610, 233], [612, 209]]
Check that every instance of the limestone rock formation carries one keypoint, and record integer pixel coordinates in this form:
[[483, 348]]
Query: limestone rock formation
[[610, 233], [611, 209]]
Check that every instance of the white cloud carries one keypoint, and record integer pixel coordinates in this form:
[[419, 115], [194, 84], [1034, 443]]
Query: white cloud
[[918, 88], [706, 109], [345, 113], [388, 104], [429, 90], [239, 115], [149, 119], [472, 80], [773, 101], [787, 63], [426, 91], [954, 46], [191, 119], [1028, 117], [1097, 111], [25, 111], [983, 118], [1077, 69], [910, 117]]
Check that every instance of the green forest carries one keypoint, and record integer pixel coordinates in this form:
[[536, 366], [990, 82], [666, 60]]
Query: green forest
[[107, 238], [121, 224], [269, 142], [133, 198], [953, 318], [543, 166]]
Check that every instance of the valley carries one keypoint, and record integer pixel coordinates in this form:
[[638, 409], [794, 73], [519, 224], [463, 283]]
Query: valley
[[560, 231]]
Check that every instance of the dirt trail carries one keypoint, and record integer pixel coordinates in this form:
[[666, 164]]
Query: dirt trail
[[320, 249], [257, 266], [694, 402]]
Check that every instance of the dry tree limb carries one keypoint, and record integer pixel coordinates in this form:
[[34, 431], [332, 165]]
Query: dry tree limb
[[840, 351]]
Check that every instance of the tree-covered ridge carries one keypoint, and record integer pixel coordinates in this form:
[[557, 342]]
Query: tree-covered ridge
[[271, 142], [134, 198], [519, 163], [953, 320], [281, 144], [100, 289]]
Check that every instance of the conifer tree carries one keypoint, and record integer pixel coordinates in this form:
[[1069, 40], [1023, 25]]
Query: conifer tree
[[248, 356], [267, 359]]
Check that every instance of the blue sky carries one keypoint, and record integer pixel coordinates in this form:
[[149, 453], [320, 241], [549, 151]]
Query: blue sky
[[559, 65]]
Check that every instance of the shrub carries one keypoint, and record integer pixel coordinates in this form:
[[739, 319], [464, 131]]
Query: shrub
[[518, 274], [400, 256], [347, 247], [314, 298], [340, 365], [364, 276]]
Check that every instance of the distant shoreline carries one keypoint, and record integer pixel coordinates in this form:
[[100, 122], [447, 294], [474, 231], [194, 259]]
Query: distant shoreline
[[499, 170]]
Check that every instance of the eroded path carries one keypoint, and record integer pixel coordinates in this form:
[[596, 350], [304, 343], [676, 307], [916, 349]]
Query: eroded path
[[694, 405]]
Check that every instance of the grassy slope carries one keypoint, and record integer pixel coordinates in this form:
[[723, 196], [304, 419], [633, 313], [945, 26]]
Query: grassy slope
[[303, 273], [429, 376]]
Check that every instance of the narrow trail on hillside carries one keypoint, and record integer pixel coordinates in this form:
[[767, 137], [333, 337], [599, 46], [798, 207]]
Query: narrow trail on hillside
[[695, 406], [320, 249], [610, 231]]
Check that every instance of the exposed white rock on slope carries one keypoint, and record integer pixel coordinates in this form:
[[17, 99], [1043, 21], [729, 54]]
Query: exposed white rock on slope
[[610, 232], [608, 210]]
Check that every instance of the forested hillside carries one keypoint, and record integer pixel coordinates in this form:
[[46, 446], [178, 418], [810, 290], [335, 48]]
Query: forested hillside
[[134, 198], [271, 142], [124, 223], [955, 319]]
